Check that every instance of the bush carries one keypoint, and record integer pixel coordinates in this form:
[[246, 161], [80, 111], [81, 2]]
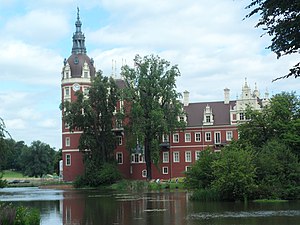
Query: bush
[[108, 174], [9, 215], [205, 195]]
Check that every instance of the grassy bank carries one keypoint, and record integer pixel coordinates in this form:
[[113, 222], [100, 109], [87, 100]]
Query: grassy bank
[[270, 200], [135, 185]]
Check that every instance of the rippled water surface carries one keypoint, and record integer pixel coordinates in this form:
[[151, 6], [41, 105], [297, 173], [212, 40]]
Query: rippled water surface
[[94, 207]]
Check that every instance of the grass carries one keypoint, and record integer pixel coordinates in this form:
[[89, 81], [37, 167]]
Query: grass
[[8, 174], [270, 200]]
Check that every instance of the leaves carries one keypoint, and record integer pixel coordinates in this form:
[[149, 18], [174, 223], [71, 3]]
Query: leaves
[[280, 20]]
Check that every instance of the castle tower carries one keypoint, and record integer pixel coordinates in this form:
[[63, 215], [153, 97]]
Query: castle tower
[[77, 72]]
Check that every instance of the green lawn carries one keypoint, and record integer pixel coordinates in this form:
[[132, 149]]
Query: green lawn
[[8, 174]]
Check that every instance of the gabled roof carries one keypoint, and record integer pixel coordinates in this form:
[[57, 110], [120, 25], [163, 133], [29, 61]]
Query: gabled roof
[[221, 113]]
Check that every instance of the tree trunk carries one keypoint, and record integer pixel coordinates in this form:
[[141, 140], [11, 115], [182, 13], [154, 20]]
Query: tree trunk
[[148, 158]]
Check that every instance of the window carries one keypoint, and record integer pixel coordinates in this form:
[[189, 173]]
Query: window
[[68, 142], [86, 74], [86, 91], [67, 75], [197, 137], [165, 157], [175, 138], [119, 157], [197, 155], [144, 173], [207, 119], [165, 138], [217, 137], [120, 140], [68, 159], [181, 118], [137, 158], [228, 135], [67, 125], [175, 156], [119, 124], [188, 156], [187, 137], [67, 92], [165, 170], [207, 136], [187, 168], [242, 117]]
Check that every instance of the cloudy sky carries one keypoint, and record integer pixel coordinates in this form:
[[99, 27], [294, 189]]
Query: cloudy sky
[[209, 40]]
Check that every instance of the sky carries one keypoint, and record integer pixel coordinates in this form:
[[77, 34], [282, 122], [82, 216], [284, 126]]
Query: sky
[[210, 41]]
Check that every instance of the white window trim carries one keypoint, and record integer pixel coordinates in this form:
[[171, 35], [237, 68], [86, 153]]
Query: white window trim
[[177, 161], [185, 137], [231, 134], [144, 173], [215, 137], [206, 136], [119, 153], [196, 153], [187, 168], [196, 137], [163, 170], [68, 142], [120, 140], [68, 156], [174, 138], [167, 157], [186, 156]]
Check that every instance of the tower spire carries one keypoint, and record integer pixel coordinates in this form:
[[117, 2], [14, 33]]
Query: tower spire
[[78, 38]]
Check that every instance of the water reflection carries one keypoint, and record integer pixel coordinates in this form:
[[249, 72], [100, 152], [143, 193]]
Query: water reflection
[[89, 207]]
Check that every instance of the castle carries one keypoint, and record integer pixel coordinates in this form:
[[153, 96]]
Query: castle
[[209, 124]]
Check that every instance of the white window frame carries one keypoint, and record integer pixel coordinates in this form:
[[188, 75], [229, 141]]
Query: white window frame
[[68, 160], [177, 139], [188, 156], [144, 173], [187, 137], [198, 139], [197, 155], [187, 168], [68, 141], [165, 138], [176, 157], [217, 139], [67, 92], [119, 155], [165, 170], [120, 140], [229, 135], [166, 157], [206, 139]]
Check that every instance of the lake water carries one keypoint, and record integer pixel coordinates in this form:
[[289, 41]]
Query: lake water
[[94, 207]]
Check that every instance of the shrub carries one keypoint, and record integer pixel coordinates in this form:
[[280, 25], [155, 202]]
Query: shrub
[[205, 195]]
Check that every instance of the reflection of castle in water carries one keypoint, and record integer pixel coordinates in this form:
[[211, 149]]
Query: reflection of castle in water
[[86, 207]]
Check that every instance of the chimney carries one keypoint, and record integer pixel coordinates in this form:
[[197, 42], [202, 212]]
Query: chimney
[[186, 95], [226, 95]]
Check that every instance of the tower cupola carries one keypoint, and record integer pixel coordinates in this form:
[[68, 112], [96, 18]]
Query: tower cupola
[[78, 38]]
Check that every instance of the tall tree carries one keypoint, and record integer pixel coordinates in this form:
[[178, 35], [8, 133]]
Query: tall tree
[[154, 106], [281, 20], [94, 116], [279, 120], [38, 159], [3, 147]]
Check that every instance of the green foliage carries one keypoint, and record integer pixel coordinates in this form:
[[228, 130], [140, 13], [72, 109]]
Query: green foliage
[[95, 177], [234, 173], [201, 173], [37, 159], [280, 20], [10, 215], [154, 105], [94, 116], [278, 172], [3, 183], [205, 195]]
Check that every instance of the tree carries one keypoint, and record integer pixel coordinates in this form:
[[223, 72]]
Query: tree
[[201, 173], [280, 120], [281, 20], [234, 173], [37, 159], [154, 106], [3, 147], [94, 115]]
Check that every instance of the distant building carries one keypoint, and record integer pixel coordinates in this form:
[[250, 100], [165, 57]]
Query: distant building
[[209, 124]]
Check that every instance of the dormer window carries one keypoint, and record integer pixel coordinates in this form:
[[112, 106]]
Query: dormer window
[[67, 72], [85, 70], [208, 118]]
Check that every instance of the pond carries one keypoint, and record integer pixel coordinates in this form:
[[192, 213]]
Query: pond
[[103, 207]]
